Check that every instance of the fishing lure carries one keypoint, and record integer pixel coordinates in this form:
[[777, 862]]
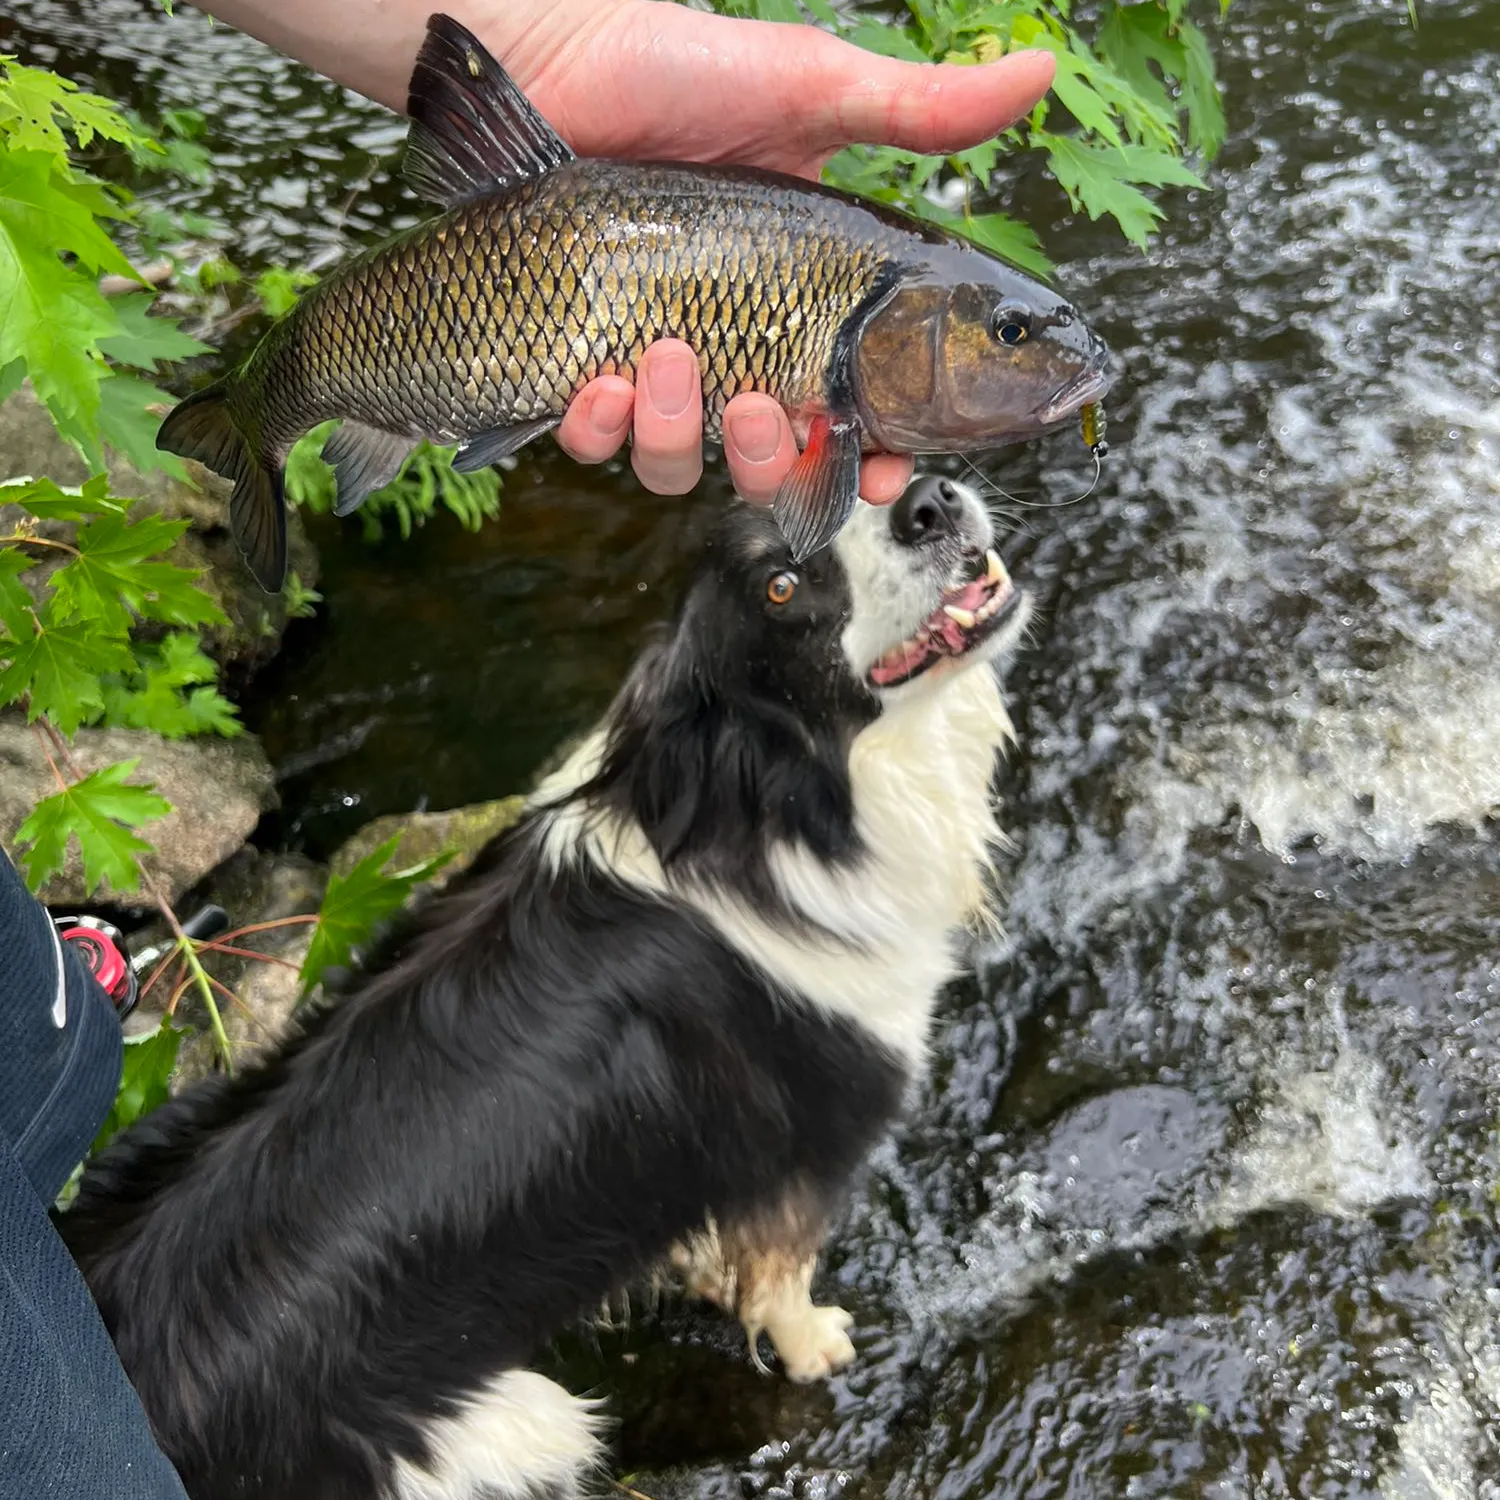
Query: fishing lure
[[1094, 425]]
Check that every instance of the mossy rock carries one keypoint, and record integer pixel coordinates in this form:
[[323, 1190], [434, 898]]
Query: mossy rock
[[465, 830]]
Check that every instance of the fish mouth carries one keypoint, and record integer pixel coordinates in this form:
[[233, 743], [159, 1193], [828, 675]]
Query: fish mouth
[[967, 615], [1088, 385]]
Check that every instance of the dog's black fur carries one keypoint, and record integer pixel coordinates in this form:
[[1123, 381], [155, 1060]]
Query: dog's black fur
[[552, 1079]]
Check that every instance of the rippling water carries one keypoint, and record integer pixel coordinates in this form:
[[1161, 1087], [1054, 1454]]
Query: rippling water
[[1201, 1196]]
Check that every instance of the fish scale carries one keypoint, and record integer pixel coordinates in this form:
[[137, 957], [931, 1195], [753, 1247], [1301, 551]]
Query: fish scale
[[520, 304], [544, 271]]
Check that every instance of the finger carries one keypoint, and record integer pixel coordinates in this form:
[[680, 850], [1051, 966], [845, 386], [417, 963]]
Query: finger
[[667, 453], [883, 477], [597, 421], [925, 107], [759, 446]]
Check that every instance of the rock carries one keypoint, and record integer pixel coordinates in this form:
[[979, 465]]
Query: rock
[[464, 829], [30, 445], [253, 887], [218, 789]]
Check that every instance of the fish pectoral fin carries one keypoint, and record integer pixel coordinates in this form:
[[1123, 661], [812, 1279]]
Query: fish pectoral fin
[[473, 131], [818, 496], [364, 460], [486, 448]]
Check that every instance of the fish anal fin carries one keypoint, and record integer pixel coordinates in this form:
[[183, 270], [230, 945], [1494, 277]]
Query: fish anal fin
[[473, 131], [364, 460], [818, 496], [486, 448]]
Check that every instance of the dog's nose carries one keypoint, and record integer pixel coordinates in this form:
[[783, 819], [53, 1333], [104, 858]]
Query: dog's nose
[[930, 508]]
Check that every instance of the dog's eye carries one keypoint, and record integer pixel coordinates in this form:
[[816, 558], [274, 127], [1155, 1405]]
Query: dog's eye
[[781, 588]]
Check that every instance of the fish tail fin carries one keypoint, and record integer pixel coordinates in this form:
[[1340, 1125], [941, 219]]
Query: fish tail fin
[[203, 428]]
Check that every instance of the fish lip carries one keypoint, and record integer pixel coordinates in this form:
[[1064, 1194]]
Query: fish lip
[[1088, 385]]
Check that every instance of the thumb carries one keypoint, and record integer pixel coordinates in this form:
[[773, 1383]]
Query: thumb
[[925, 107]]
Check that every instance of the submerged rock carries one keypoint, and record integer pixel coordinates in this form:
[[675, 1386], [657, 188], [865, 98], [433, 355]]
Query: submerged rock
[[30, 445], [465, 830], [218, 790]]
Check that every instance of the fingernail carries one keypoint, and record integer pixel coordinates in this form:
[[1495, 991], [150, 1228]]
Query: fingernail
[[669, 382], [757, 436], [610, 411]]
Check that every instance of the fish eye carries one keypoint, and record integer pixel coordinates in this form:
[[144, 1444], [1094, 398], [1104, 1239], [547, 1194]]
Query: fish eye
[[781, 588], [1012, 325]]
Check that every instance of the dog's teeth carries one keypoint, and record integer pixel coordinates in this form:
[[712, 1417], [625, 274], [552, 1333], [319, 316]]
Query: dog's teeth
[[988, 608], [964, 617], [996, 567]]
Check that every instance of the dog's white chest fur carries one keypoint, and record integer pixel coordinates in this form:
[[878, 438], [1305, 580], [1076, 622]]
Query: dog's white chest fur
[[883, 931]]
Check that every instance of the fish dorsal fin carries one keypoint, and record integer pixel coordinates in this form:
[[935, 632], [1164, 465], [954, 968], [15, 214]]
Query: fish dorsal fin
[[473, 131]]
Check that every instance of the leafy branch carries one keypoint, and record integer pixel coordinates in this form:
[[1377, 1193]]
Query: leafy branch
[[57, 328]]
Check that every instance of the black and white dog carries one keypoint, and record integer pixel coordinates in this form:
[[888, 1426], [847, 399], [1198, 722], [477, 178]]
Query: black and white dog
[[661, 1021]]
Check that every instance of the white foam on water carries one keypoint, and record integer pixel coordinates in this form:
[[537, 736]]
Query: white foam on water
[[1435, 1447], [1325, 1139], [1442, 1451]]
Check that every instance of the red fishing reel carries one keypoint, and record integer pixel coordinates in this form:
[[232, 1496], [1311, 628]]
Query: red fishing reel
[[105, 955]]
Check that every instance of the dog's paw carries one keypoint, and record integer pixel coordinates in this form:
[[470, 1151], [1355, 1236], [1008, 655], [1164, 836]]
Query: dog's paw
[[816, 1346]]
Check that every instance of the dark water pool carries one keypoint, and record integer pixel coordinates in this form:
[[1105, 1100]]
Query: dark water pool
[[1200, 1199]]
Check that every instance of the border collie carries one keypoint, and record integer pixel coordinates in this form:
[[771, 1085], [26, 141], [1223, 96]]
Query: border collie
[[659, 1023]]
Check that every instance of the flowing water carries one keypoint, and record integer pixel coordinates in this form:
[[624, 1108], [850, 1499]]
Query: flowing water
[[1200, 1198]]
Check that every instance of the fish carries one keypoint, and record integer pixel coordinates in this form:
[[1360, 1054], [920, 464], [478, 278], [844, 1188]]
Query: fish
[[542, 270]]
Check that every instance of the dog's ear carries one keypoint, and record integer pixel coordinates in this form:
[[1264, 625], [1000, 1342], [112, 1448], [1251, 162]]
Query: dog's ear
[[713, 777]]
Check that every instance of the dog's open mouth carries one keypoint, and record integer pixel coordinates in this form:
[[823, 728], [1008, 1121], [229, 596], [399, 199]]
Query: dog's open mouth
[[967, 615]]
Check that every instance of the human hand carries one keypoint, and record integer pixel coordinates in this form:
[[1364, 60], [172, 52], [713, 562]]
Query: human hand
[[663, 412], [753, 93]]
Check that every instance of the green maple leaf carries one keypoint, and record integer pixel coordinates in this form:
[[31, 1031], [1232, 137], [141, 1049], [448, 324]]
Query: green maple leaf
[[1143, 164], [1006, 236], [356, 902], [144, 340], [113, 576], [1134, 37], [128, 425], [49, 319], [52, 315], [16, 602], [1200, 92], [101, 812], [34, 103], [57, 666], [145, 1080], [171, 692], [1074, 87], [50, 502], [1095, 179], [36, 203]]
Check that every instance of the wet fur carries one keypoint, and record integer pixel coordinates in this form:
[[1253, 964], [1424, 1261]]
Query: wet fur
[[664, 1018]]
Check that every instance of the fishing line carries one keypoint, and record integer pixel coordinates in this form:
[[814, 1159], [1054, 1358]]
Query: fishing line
[[995, 489]]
